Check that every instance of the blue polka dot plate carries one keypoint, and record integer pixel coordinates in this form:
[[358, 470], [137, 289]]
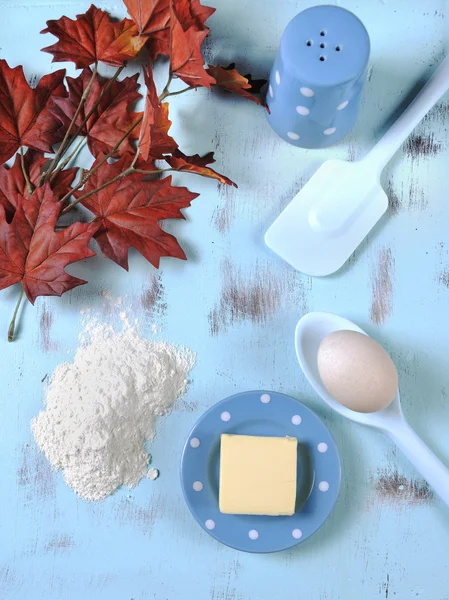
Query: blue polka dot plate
[[267, 414]]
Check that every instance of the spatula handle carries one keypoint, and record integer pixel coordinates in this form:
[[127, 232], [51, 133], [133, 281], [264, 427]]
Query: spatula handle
[[429, 95], [420, 455]]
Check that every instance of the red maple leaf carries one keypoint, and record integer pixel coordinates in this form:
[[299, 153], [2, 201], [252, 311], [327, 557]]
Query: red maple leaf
[[25, 119], [32, 252], [150, 16], [186, 60], [230, 79], [13, 187], [129, 210], [110, 120], [196, 164], [155, 140], [93, 37]]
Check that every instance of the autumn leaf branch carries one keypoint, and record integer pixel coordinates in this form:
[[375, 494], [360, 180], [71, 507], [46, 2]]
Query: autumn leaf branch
[[95, 111]]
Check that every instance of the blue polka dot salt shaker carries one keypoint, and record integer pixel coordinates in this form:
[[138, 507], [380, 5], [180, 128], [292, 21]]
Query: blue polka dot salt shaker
[[316, 82]]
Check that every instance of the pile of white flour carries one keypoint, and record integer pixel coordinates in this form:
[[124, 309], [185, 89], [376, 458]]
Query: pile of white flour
[[101, 408]]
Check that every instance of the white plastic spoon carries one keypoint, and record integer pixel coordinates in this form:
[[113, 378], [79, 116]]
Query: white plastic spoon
[[310, 332]]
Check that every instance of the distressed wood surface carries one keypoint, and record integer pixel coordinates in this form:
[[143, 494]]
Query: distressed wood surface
[[236, 305]]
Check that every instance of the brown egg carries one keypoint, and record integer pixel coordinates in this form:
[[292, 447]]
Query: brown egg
[[357, 371]]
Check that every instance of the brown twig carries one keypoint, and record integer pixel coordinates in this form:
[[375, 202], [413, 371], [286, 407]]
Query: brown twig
[[125, 173], [30, 186], [186, 89], [164, 92], [95, 168], [143, 172], [66, 161], [12, 326], [64, 146]]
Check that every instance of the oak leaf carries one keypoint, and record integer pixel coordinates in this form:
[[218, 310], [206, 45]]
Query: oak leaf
[[230, 79], [129, 210], [196, 164], [154, 140], [93, 37], [13, 186], [32, 252], [25, 119], [112, 117]]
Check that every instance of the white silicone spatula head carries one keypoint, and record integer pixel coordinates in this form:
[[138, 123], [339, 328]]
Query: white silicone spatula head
[[329, 217], [310, 332], [326, 221]]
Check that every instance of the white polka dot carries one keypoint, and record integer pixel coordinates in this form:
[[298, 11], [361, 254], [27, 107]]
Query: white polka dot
[[323, 486], [292, 135], [278, 77], [253, 534], [302, 110], [225, 416], [343, 105], [197, 486], [194, 442], [307, 92], [296, 420], [265, 398], [210, 524], [297, 534], [330, 131], [322, 447], [270, 91]]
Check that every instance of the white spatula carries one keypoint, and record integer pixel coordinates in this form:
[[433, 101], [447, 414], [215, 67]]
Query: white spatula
[[326, 221]]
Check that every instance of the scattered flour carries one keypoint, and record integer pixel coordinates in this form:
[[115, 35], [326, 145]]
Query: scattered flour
[[153, 474], [100, 409]]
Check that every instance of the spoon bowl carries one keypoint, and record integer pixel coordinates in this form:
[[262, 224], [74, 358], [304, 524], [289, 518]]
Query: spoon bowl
[[310, 332]]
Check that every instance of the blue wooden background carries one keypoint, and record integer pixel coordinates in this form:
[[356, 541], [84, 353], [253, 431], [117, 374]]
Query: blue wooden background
[[236, 306]]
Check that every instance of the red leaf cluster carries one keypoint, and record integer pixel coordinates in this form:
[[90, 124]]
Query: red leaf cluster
[[37, 188]]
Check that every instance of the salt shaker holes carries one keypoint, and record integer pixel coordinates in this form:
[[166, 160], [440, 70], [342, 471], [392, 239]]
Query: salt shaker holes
[[309, 43], [337, 48], [322, 58], [322, 45], [323, 32]]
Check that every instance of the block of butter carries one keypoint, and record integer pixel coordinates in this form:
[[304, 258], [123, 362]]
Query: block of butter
[[257, 475]]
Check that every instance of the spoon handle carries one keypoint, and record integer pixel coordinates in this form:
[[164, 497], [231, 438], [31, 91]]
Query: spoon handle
[[427, 463]]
